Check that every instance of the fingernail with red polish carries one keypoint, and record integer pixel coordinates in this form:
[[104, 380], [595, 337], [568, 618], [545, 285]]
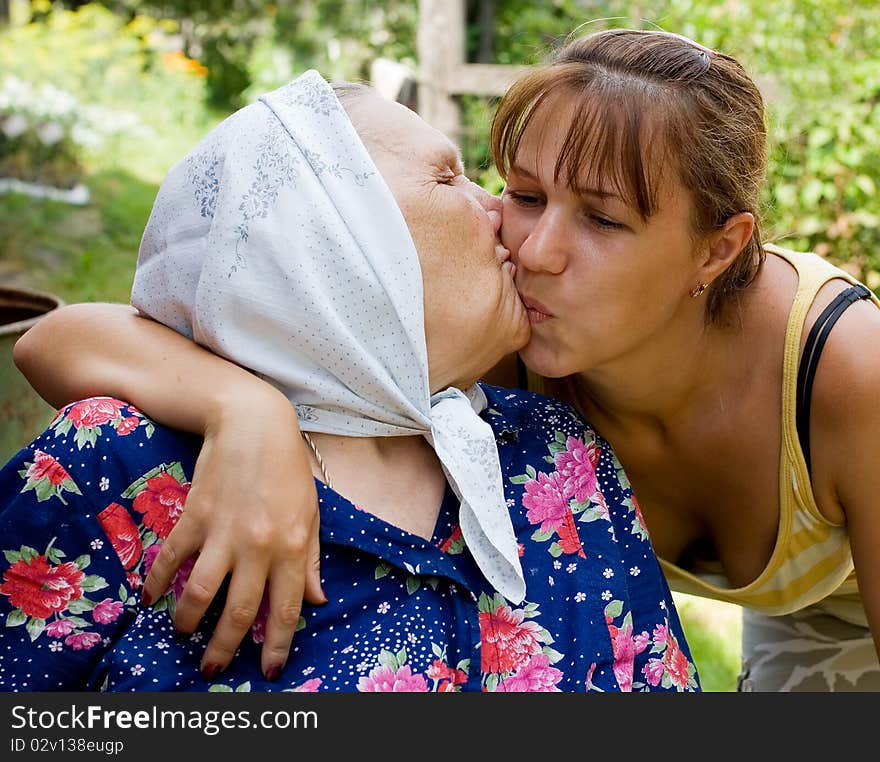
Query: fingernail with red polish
[[273, 673], [146, 598], [210, 671]]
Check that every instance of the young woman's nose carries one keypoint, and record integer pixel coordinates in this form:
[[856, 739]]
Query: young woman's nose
[[543, 250]]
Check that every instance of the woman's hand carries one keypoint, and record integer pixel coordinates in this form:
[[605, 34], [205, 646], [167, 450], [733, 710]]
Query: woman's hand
[[251, 513], [252, 507]]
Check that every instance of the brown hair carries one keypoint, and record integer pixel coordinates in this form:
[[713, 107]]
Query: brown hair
[[645, 101]]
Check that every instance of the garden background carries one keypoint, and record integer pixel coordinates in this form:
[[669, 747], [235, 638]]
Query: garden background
[[98, 100]]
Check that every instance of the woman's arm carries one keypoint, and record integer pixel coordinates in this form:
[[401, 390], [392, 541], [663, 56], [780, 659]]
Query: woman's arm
[[845, 442], [252, 508]]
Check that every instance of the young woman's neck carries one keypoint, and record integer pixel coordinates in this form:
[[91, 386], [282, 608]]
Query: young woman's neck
[[659, 382]]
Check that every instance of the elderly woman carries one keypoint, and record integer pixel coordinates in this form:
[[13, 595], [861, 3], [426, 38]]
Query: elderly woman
[[473, 538]]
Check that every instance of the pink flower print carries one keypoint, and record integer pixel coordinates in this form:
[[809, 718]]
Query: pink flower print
[[95, 412], [83, 641], [588, 681], [107, 611], [569, 539], [626, 648], [439, 670], [258, 628], [600, 505], [309, 686], [161, 501], [383, 679], [545, 502], [127, 425], [59, 628], [660, 635], [508, 639], [182, 576], [123, 534], [576, 466], [134, 580], [535, 676], [39, 588], [454, 543], [150, 555], [46, 467], [638, 511], [653, 671], [675, 662]]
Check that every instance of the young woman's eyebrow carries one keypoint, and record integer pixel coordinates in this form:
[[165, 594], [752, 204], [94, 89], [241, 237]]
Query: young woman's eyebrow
[[585, 192]]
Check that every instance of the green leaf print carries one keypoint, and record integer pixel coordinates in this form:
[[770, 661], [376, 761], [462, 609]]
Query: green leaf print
[[44, 488], [388, 659], [16, 617], [80, 605], [554, 655], [35, 628], [86, 435], [63, 426], [93, 582]]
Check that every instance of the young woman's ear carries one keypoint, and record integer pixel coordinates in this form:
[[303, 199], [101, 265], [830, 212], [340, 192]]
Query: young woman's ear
[[726, 243]]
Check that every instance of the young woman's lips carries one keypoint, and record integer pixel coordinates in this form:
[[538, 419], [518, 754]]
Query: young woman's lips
[[538, 313]]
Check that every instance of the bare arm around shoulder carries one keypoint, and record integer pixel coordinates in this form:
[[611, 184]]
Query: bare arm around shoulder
[[252, 508], [845, 442]]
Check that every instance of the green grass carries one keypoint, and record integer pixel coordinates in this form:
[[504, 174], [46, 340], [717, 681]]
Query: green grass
[[713, 630], [78, 253]]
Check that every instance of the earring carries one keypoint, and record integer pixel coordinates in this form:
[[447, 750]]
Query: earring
[[698, 290]]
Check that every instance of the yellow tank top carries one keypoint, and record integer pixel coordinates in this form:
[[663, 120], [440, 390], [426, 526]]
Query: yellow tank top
[[811, 564]]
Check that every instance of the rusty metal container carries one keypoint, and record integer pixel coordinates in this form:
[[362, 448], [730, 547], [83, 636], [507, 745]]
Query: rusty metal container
[[23, 413]]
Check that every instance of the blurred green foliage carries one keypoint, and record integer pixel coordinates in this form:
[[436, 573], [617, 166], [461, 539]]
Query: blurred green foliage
[[814, 59]]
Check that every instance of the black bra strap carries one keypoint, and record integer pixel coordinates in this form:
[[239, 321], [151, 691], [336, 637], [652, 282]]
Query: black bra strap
[[810, 359]]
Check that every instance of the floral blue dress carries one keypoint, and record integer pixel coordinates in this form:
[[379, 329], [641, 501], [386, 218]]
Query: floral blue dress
[[85, 507]]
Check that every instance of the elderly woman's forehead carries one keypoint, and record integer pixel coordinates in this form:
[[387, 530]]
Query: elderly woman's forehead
[[401, 130]]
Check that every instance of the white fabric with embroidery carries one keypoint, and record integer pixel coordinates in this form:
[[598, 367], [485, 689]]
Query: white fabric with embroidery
[[277, 244]]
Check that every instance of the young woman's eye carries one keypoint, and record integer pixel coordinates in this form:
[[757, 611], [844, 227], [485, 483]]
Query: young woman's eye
[[603, 222]]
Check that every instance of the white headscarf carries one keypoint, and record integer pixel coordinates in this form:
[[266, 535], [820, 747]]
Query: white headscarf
[[277, 244]]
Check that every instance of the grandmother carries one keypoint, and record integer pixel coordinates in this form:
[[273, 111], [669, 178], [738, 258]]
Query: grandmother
[[473, 538]]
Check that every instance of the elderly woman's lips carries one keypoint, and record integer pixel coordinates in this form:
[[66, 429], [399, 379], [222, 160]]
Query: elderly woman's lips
[[538, 313]]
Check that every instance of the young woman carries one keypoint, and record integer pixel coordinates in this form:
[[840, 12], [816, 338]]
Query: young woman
[[473, 538], [732, 377]]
